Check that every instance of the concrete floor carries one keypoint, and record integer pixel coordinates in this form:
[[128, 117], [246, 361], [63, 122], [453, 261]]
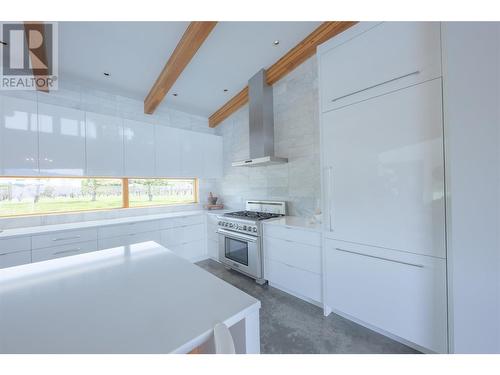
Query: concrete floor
[[289, 325]]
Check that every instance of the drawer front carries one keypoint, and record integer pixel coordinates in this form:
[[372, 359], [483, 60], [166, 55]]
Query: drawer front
[[303, 283], [11, 245], [179, 235], [292, 234], [192, 251], [181, 221], [390, 56], [126, 229], [63, 238], [15, 259], [63, 251], [404, 294], [129, 239], [294, 254]]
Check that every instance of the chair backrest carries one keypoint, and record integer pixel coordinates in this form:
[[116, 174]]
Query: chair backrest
[[224, 343]]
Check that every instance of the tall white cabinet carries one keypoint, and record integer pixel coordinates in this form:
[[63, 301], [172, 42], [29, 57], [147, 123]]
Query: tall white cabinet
[[384, 250]]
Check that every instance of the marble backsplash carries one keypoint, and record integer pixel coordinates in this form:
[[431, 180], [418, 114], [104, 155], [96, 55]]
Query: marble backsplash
[[296, 137]]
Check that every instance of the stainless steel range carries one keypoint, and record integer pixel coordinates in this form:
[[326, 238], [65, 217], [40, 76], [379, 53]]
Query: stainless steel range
[[240, 237]]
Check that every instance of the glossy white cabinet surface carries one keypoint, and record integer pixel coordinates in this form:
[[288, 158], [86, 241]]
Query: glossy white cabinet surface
[[10, 245], [61, 140], [14, 259], [104, 145], [61, 251], [139, 149], [400, 293], [384, 173], [192, 151], [168, 151], [387, 57], [18, 137]]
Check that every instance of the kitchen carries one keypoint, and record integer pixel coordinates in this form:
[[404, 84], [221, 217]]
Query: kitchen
[[316, 189]]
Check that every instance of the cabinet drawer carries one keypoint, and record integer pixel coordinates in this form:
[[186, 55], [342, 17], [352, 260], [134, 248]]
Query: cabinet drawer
[[63, 251], [401, 293], [129, 239], [213, 249], [63, 238], [192, 251], [303, 283], [292, 234], [11, 245], [185, 233], [389, 56], [127, 229], [15, 259], [295, 254], [181, 221]]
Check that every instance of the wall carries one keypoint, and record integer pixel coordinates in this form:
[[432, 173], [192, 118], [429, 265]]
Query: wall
[[471, 60], [76, 95], [296, 138]]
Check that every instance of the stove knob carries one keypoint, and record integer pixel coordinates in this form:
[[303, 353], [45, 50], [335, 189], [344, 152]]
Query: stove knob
[[231, 225], [255, 229], [219, 223], [244, 227]]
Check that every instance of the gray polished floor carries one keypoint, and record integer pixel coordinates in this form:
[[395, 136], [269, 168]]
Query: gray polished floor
[[291, 326]]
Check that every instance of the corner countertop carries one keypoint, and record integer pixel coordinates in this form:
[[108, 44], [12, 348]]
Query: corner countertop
[[41, 229], [295, 222]]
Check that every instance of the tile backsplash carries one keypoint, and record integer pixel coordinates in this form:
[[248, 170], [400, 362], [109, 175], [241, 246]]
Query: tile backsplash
[[296, 137]]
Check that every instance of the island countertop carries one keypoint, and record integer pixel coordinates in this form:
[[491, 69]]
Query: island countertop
[[140, 298]]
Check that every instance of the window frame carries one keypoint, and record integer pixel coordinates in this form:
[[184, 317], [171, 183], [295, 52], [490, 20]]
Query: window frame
[[125, 194]]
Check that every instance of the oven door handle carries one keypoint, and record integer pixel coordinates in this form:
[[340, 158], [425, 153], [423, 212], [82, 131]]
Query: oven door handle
[[236, 236]]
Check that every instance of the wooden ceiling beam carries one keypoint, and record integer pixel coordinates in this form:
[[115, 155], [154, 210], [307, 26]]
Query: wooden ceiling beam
[[293, 58], [191, 41], [35, 36]]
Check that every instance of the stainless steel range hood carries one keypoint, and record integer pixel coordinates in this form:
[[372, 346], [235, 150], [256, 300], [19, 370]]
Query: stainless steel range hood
[[261, 121]]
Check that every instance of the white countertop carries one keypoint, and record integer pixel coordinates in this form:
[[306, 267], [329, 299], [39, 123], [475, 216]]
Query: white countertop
[[40, 229], [133, 299], [295, 222]]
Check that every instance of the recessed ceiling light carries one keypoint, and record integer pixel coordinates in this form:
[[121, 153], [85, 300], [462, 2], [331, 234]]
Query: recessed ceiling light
[[276, 42], [4, 43], [174, 94], [226, 90], [106, 74]]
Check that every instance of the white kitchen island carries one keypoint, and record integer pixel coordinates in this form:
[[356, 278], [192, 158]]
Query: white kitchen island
[[139, 298]]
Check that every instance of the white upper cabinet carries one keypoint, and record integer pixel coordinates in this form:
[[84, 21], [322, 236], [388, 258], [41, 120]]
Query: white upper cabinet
[[104, 145], [213, 162], [192, 151], [384, 172], [168, 151], [18, 137], [61, 140], [139, 149], [370, 59]]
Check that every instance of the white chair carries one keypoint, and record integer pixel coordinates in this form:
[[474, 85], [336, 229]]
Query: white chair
[[224, 343]]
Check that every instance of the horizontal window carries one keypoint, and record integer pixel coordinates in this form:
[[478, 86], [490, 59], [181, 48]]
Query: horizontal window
[[32, 196]]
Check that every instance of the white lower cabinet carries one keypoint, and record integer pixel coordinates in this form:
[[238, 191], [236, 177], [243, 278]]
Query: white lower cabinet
[[400, 293], [213, 248], [128, 239], [292, 260], [63, 251], [193, 251], [14, 259]]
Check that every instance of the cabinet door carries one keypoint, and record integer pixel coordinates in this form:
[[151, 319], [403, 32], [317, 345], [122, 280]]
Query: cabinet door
[[104, 145], [212, 161], [401, 293], [168, 151], [61, 140], [384, 177], [139, 149], [14, 259], [18, 137], [193, 154], [387, 57]]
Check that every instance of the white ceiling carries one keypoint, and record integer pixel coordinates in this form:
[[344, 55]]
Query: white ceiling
[[134, 53]]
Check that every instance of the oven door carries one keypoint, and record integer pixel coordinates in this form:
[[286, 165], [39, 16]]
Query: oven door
[[241, 252]]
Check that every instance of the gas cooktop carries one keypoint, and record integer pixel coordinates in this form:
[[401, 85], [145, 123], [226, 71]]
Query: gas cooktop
[[252, 215]]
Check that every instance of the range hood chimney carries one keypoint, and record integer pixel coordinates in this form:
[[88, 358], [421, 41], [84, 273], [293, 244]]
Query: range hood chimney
[[261, 123]]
